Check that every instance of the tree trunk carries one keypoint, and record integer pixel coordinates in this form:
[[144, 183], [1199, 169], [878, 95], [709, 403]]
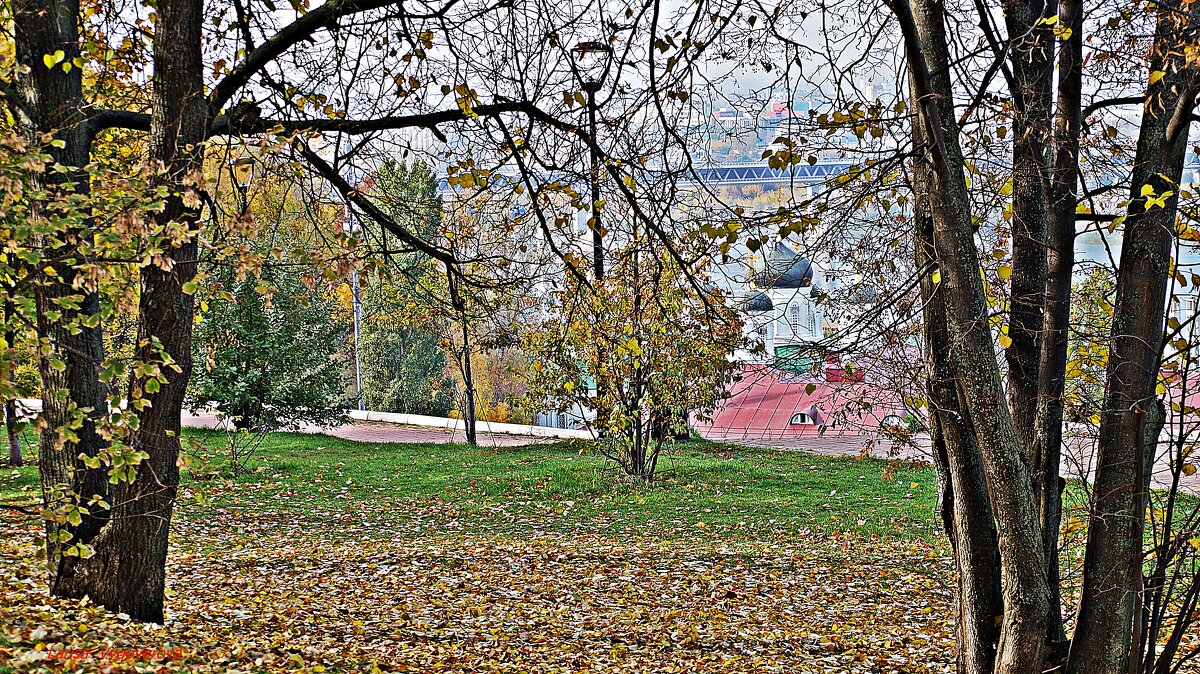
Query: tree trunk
[[459, 305], [1056, 316], [15, 460], [1139, 647], [72, 396], [1111, 580], [1025, 593], [966, 507], [1032, 57], [127, 572], [469, 421]]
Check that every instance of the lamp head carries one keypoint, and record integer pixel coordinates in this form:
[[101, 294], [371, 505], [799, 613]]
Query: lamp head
[[243, 170], [592, 61]]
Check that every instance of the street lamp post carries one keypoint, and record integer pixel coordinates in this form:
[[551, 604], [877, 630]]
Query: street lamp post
[[362, 403], [592, 60], [351, 227], [242, 169]]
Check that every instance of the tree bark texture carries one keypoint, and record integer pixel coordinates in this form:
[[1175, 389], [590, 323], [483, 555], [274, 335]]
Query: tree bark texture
[[127, 572], [1056, 317], [15, 460], [1111, 582], [1032, 58], [1142, 649], [966, 507], [52, 102], [1025, 592]]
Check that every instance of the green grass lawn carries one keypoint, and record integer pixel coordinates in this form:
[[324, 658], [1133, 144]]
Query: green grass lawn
[[741, 492], [339, 556], [735, 491]]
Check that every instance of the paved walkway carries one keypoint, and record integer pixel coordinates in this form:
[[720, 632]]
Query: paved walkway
[[373, 431], [1077, 459]]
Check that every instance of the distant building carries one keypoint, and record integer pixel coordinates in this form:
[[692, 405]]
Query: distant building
[[782, 311], [771, 404], [792, 384]]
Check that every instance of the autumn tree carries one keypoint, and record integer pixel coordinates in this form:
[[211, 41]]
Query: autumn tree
[[478, 320], [266, 358], [402, 361], [635, 355], [999, 157], [1023, 472], [458, 312], [150, 90]]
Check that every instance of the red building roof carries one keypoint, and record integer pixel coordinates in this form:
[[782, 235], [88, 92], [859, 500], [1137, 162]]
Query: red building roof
[[765, 401]]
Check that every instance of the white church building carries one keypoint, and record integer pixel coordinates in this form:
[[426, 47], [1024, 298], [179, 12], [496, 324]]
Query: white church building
[[783, 312]]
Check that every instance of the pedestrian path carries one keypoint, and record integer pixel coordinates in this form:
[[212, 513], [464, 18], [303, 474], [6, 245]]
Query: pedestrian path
[[373, 431], [1077, 458]]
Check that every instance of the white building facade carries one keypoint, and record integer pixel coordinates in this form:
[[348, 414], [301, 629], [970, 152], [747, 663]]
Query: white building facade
[[784, 318]]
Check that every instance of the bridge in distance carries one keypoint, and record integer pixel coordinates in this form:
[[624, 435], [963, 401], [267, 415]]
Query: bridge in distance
[[743, 173]]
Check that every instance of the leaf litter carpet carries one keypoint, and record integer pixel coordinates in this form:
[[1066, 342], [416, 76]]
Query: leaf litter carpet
[[330, 592]]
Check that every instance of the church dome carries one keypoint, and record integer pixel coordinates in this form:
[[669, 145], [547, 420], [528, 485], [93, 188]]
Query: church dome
[[756, 302], [784, 269]]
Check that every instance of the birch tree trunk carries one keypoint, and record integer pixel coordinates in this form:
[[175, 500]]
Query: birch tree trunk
[[15, 460]]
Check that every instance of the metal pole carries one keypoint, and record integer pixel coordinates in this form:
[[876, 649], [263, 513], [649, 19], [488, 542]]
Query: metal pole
[[362, 405], [357, 298], [597, 238]]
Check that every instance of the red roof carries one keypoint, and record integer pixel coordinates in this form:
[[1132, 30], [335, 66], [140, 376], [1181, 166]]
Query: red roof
[[764, 401]]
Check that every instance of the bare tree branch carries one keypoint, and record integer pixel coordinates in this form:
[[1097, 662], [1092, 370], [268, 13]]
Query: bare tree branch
[[322, 17]]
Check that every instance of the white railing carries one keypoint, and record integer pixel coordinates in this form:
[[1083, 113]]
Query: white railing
[[34, 405], [480, 426]]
